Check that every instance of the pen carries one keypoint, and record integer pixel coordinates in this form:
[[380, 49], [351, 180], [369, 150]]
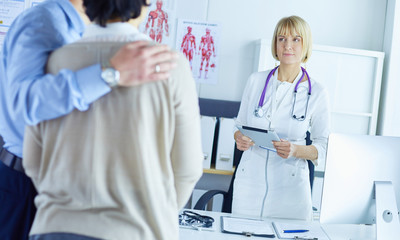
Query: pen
[[295, 231]]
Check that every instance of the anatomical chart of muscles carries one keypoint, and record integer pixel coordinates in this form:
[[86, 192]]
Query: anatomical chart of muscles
[[159, 22], [198, 41], [9, 10]]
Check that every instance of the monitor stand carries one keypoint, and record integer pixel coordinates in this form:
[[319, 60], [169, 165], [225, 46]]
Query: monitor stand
[[387, 214]]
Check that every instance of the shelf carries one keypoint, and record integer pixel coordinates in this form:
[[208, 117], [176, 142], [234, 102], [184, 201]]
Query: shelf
[[212, 170], [361, 114]]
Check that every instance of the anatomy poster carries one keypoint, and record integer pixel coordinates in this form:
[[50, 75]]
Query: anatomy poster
[[36, 2], [198, 41], [159, 22], [3, 32], [9, 10]]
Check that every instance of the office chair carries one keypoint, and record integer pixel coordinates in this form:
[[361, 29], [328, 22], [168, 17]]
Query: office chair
[[227, 196]]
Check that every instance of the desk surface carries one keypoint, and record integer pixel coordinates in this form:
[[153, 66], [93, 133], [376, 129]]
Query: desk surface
[[334, 231]]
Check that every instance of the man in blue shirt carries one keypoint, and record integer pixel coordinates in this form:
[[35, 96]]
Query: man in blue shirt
[[29, 96]]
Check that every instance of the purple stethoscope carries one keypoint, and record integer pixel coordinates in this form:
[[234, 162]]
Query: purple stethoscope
[[259, 112]]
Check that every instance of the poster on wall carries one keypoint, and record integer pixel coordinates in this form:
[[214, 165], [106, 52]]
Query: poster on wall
[[35, 2], [159, 22], [198, 41], [9, 10], [3, 32]]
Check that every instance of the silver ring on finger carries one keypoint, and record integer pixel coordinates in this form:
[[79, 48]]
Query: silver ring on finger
[[157, 69]]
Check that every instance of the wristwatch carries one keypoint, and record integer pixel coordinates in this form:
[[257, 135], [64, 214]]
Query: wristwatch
[[110, 76]]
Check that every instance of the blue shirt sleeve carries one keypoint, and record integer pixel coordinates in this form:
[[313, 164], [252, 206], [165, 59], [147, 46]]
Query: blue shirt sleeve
[[31, 93]]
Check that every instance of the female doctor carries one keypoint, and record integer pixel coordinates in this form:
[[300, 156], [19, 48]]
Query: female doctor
[[276, 183]]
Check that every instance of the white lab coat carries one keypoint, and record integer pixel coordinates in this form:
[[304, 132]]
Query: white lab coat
[[288, 186]]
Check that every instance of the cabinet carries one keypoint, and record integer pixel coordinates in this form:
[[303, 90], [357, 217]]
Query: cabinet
[[220, 110]]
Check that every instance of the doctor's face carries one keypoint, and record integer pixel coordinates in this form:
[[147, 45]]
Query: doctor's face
[[289, 49]]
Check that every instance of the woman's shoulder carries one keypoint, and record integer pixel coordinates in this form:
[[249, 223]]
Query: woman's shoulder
[[318, 89], [317, 85], [261, 73], [259, 76]]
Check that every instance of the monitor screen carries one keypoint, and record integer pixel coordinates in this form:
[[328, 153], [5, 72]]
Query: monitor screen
[[353, 163]]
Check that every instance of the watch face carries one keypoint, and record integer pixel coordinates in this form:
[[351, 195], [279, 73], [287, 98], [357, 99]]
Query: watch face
[[110, 76]]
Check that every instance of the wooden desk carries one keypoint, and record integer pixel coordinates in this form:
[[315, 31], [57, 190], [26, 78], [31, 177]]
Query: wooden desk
[[334, 231]]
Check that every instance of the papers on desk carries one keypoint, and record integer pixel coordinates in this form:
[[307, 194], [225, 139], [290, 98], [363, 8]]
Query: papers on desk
[[247, 227], [262, 228], [314, 230]]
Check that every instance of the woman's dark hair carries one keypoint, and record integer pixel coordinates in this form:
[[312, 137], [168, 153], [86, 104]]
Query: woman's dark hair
[[102, 11]]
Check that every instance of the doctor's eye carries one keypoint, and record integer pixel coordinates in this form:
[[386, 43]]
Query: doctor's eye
[[297, 39], [281, 39]]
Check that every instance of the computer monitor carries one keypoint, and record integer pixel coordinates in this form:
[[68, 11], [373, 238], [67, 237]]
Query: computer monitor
[[353, 164]]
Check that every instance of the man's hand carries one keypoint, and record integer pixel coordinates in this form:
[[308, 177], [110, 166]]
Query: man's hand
[[137, 63]]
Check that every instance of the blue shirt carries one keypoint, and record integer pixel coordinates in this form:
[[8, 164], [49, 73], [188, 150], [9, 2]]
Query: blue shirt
[[27, 94]]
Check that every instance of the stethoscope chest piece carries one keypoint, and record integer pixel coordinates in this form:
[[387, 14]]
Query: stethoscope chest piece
[[259, 112]]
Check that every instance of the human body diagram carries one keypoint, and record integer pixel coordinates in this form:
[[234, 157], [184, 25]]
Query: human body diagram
[[206, 49], [157, 21], [198, 41], [188, 46]]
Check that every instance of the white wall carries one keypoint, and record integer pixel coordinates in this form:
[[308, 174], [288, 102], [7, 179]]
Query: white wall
[[389, 121], [343, 23]]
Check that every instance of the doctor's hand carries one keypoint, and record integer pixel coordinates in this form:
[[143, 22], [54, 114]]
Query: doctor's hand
[[285, 149], [242, 142]]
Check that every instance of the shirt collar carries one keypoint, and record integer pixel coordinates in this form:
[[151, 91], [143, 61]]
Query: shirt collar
[[112, 29], [73, 15]]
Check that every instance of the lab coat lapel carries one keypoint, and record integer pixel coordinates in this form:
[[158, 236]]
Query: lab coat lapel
[[280, 112]]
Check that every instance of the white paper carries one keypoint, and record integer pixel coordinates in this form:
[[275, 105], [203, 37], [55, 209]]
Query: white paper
[[240, 225], [314, 230]]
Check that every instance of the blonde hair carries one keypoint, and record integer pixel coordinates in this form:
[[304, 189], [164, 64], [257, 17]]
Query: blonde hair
[[293, 26]]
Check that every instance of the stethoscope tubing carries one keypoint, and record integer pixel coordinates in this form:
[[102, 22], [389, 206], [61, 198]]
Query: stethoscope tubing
[[261, 101]]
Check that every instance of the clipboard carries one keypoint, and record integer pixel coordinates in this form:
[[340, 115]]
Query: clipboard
[[315, 231], [247, 227], [261, 137]]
